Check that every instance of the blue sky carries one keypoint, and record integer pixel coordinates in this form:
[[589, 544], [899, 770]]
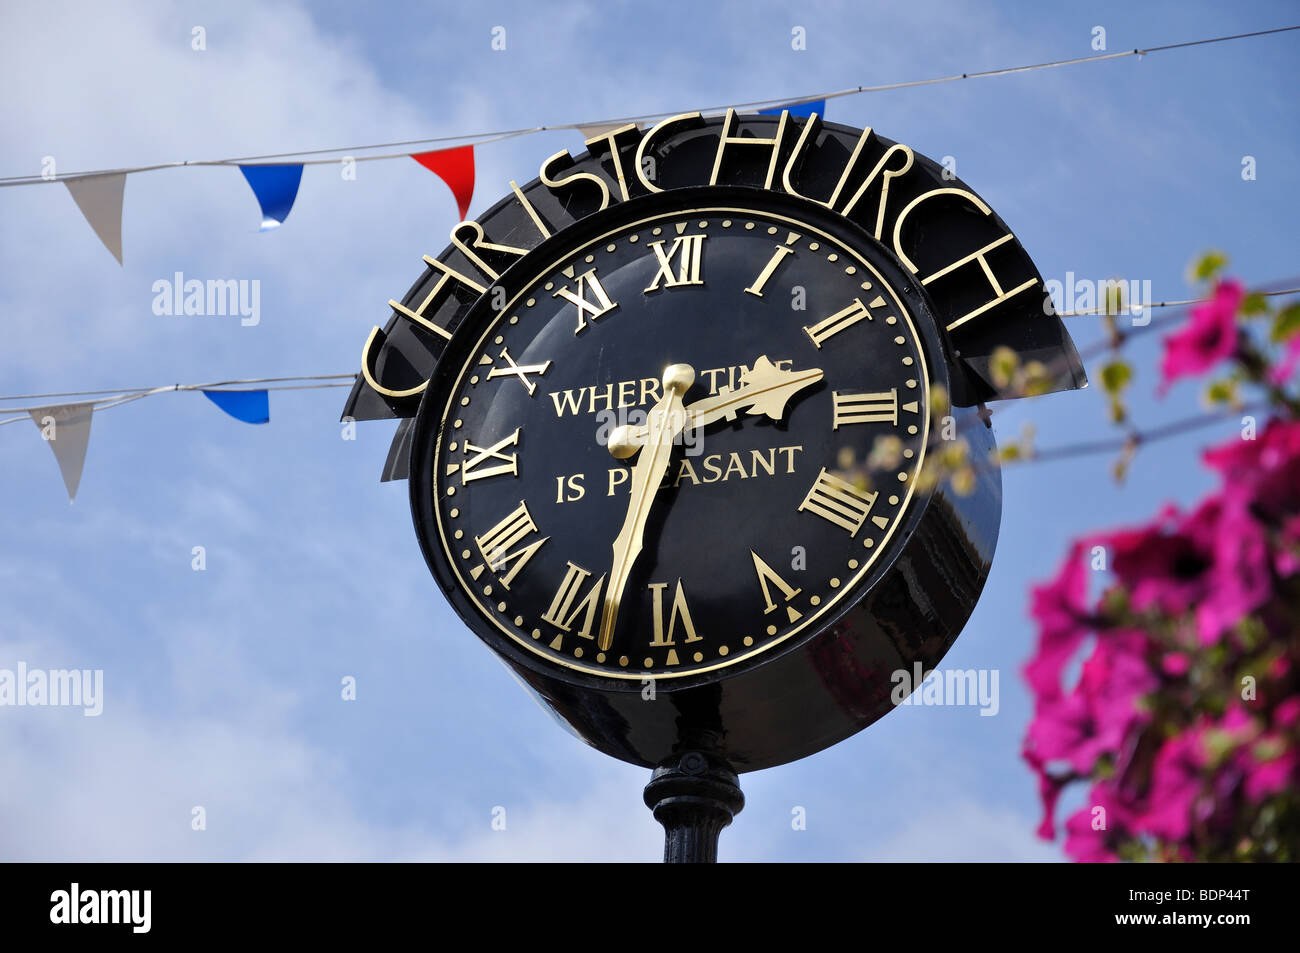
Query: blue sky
[[222, 686]]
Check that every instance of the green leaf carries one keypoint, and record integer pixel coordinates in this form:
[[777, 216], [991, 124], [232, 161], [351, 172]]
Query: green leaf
[[1209, 265], [1287, 323], [1036, 379], [1003, 364], [1223, 391], [1254, 305], [1116, 375]]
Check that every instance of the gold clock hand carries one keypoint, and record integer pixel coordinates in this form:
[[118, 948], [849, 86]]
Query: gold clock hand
[[765, 389], [664, 423]]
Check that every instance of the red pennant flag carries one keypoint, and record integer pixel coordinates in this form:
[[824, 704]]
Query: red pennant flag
[[456, 168]]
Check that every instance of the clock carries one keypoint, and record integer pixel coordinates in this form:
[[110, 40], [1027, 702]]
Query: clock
[[678, 450], [667, 412]]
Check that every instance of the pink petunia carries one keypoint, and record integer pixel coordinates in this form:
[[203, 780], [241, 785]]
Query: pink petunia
[[1167, 563], [1175, 787], [1060, 609], [1285, 367], [1089, 832], [1268, 776], [1241, 575], [1263, 473], [1209, 336]]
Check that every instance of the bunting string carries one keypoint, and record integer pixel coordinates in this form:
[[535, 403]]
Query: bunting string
[[251, 405], [114, 397], [99, 193], [483, 138]]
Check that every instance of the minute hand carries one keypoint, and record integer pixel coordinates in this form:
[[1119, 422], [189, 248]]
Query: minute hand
[[765, 389]]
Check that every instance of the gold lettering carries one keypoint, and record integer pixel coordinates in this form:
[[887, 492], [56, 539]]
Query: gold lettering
[[766, 575], [838, 501], [757, 460], [680, 611], [470, 251], [495, 544], [837, 322], [690, 120], [600, 306], [562, 161], [562, 611], [567, 400], [686, 470], [611, 138], [617, 475], [418, 317], [691, 248], [865, 408], [727, 139], [528, 207], [734, 463]]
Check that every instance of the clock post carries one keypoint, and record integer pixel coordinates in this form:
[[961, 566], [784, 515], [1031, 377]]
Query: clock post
[[694, 797]]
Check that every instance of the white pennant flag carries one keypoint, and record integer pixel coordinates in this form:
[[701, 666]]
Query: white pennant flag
[[601, 129], [100, 199], [66, 428]]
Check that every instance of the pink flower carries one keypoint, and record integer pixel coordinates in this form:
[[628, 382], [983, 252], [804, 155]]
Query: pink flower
[[1175, 786], [1060, 609], [1090, 831], [1287, 712], [1266, 776], [1241, 578], [1166, 563], [1263, 473], [1096, 719], [1284, 368], [1175, 664], [1209, 335]]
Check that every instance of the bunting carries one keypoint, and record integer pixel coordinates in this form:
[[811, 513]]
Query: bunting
[[456, 168], [250, 406], [100, 199], [802, 110], [276, 186], [66, 428], [596, 130]]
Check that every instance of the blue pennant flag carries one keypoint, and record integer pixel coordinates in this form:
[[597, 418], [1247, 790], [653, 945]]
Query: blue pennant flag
[[803, 110], [250, 406], [276, 186]]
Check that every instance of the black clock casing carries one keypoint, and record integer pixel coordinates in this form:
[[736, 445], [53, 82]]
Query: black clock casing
[[812, 689]]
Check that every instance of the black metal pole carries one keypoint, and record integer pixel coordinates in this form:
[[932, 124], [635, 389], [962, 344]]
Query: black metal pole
[[694, 796]]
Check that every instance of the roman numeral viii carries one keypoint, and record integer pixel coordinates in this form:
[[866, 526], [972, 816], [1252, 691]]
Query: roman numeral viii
[[507, 545]]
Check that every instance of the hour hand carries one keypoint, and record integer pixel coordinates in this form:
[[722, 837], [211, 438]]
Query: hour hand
[[764, 389]]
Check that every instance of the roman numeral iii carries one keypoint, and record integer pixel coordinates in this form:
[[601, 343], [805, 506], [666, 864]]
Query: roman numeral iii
[[853, 408], [839, 501]]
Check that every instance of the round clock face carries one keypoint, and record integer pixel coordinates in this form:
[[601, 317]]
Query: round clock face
[[646, 456]]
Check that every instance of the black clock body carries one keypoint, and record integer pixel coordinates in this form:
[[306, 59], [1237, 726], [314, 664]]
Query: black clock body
[[776, 654]]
